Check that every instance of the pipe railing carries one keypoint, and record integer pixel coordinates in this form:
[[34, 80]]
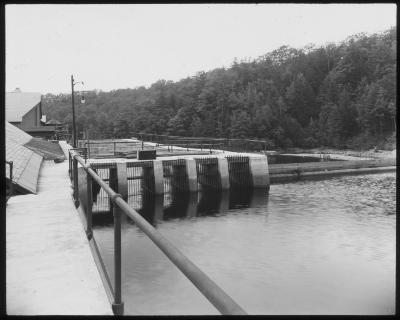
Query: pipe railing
[[221, 300], [231, 144]]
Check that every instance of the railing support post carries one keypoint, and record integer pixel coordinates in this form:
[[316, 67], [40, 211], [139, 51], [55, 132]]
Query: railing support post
[[118, 305], [76, 191], [89, 204], [11, 179], [69, 166]]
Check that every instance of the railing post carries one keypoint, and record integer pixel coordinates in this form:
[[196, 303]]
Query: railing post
[[75, 174], [11, 178], [69, 166], [113, 183], [118, 305], [89, 204]]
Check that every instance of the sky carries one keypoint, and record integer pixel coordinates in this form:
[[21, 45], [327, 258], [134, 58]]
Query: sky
[[126, 46]]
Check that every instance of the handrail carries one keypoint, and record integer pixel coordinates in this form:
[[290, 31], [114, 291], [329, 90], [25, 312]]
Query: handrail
[[198, 138], [221, 300], [226, 143]]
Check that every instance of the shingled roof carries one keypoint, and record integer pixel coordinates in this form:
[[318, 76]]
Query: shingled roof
[[26, 163], [19, 103]]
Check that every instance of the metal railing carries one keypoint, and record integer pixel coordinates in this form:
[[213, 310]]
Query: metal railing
[[107, 148], [222, 301], [207, 173], [239, 172], [228, 144], [10, 184]]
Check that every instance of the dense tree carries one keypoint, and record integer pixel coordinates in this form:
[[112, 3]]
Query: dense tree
[[291, 97]]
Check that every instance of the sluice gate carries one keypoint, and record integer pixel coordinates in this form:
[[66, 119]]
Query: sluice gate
[[136, 179]]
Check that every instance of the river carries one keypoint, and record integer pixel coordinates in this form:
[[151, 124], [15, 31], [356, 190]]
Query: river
[[310, 247]]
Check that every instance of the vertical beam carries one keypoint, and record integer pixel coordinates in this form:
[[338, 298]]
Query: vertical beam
[[113, 183], [259, 172], [122, 179], [69, 166], [224, 202], [75, 177], [224, 173], [192, 205], [118, 305], [73, 113], [89, 204], [191, 174], [158, 177], [158, 208]]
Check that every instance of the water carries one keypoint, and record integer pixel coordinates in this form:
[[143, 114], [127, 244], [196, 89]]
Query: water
[[311, 247]]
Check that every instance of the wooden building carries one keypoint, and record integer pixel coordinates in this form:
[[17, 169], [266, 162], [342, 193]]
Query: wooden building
[[24, 110]]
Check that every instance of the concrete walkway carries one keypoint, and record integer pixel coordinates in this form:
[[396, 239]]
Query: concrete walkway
[[50, 268]]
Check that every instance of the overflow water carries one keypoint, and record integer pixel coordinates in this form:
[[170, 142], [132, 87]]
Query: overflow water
[[311, 247]]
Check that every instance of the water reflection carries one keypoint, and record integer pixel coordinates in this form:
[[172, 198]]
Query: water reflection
[[284, 158], [311, 247], [186, 205]]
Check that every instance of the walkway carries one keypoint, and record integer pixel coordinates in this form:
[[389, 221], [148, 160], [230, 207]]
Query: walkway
[[50, 268]]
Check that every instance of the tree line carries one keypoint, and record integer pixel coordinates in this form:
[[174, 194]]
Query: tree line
[[338, 95]]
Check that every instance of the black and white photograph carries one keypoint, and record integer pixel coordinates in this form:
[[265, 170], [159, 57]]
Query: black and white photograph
[[200, 159]]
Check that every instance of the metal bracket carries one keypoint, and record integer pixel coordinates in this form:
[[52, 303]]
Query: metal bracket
[[89, 235], [116, 195], [118, 308]]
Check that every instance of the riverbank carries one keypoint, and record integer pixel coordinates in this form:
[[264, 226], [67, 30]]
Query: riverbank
[[344, 154], [319, 170]]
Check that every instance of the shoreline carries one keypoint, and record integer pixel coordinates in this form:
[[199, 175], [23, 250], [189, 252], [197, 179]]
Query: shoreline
[[342, 154]]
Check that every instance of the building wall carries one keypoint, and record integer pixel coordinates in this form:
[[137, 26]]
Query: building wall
[[31, 118]]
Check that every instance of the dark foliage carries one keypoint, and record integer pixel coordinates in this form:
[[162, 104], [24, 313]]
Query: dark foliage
[[291, 97]]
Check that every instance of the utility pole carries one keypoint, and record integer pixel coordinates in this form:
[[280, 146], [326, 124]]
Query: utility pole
[[74, 133], [73, 114]]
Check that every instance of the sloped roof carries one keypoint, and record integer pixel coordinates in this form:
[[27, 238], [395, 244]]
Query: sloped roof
[[17, 135], [26, 163], [49, 150], [19, 103]]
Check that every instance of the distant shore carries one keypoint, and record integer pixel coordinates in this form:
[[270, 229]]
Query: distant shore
[[343, 153]]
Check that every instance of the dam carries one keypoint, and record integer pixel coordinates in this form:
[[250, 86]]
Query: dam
[[220, 203]]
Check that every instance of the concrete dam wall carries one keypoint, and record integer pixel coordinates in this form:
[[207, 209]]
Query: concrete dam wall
[[175, 175]]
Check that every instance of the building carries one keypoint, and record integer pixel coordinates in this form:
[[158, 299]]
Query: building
[[27, 154], [26, 162], [24, 110]]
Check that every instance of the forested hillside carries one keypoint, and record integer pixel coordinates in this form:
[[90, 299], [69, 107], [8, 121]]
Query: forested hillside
[[337, 95]]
